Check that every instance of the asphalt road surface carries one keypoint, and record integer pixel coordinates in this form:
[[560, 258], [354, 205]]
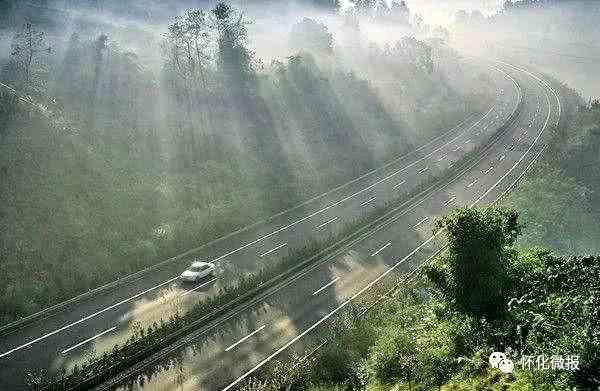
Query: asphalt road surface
[[291, 317]]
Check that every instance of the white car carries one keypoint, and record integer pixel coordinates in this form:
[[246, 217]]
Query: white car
[[197, 271]]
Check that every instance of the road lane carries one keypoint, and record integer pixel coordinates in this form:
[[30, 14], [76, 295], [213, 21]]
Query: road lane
[[468, 190], [404, 167]]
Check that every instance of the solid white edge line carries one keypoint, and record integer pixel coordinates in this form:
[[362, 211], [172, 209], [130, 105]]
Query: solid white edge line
[[381, 249], [542, 81], [272, 250], [323, 319], [357, 193], [329, 315], [88, 340], [198, 287], [330, 283], [312, 352], [245, 338], [360, 191], [86, 318], [526, 152]]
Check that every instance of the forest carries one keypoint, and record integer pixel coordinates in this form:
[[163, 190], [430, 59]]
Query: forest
[[117, 160], [132, 132], [521, 278]]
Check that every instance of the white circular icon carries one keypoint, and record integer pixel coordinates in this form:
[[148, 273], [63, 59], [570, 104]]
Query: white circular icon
[[495, 358], [506, 366]]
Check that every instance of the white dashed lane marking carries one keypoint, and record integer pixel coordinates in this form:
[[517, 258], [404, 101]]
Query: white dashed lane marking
[[321, 289], [424, 219], [381, 249], [273, 250], [245, 338]]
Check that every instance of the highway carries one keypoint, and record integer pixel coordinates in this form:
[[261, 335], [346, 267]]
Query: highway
[[291, 316]]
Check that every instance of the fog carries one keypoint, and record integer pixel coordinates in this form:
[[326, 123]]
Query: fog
[[173, 123], [146, 128], [178, 127], [559, 37]]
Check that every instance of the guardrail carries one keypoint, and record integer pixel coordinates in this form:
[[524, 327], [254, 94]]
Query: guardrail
[[131, 277], [111, 376]]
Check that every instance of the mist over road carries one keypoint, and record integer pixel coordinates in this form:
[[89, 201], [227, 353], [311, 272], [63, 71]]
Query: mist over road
[[97, 322]]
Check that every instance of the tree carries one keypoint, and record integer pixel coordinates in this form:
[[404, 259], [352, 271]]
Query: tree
[[473, 275], [100, 46], [437, 352], [28, 59], [393, 356], [186, 45], [234, 60], [312, 36], [555, 306]]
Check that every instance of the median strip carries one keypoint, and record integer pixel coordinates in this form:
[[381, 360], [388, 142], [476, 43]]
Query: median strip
[[327, 222], [140, 352], [198, 287]]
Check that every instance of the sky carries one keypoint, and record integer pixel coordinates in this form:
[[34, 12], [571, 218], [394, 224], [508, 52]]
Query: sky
[[441, 12]]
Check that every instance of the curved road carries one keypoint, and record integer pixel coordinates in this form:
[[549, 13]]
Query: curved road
[[289, 317]]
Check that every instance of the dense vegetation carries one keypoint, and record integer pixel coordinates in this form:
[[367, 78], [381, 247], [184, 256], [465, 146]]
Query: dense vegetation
[[559, 199], [439, 330], [497, 288], [145, 340], [148, 161]]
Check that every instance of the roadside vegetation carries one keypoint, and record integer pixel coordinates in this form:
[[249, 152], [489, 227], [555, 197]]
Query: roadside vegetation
[[147, 340], [517, 279], [559, 199], [153, 160], [438, 330]]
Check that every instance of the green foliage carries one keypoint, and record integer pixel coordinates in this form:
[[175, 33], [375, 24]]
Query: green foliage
[[555, 307], [135, 166], [27, 67], [543, 200], [421, 338], [394, 355], [473, 274]]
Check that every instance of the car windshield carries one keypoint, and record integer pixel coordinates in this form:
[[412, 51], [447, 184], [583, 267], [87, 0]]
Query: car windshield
[[199, 268]]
